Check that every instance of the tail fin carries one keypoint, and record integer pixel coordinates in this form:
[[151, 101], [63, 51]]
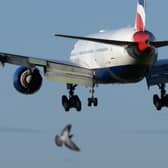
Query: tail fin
[[140, 16]]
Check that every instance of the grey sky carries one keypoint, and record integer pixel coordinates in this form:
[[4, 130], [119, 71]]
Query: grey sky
[[125, 130]]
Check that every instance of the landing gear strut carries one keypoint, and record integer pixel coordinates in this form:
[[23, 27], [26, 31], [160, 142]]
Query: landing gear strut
[[92, 100], [161, 101], [72, 101]]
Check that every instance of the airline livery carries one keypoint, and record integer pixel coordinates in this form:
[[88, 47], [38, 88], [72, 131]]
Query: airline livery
[[122, 56]]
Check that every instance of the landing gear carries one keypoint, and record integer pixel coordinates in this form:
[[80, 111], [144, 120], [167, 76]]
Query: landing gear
[[92, 101], [161, 101], [157, 102], [72, 101]]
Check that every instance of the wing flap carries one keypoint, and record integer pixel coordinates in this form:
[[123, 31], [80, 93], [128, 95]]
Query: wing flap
[[69, 74]]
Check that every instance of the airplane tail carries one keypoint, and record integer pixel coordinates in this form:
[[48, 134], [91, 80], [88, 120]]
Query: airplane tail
[[140, 21]]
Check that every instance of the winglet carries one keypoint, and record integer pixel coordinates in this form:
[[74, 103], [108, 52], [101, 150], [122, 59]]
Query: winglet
[[140, 21]]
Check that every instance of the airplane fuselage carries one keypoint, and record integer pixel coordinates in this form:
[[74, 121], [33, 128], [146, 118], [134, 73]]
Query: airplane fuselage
[[111, 63]]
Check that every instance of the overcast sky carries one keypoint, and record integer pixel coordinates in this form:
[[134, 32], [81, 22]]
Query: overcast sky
[[125, 130]]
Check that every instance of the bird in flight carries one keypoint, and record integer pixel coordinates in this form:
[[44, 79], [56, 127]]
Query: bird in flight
[[66, 139]]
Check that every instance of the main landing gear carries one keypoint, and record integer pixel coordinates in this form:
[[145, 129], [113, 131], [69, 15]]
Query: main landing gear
[[161, 101], [92, 100], [73, 101]]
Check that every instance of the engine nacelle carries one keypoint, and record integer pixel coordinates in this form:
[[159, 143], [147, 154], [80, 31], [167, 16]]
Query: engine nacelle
[[27, 80]]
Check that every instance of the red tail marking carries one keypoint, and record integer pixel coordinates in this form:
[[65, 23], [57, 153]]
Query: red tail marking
[[140, 24]]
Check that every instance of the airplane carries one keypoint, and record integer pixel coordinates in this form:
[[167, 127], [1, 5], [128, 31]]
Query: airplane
[[123, 56]]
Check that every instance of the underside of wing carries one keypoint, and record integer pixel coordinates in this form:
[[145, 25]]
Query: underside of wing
[[53, 70], [158, 74], [69, 74]]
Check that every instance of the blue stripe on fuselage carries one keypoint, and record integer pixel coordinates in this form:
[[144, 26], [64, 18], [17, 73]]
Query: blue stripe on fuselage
[[142, 2], [121, 74]]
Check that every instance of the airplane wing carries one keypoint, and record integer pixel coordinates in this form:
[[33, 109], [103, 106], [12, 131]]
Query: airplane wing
[[53, 70], [158, 74]]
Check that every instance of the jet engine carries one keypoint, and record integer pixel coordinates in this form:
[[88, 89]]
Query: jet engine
[[27, 80]]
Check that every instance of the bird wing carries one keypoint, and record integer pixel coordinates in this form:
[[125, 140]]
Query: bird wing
[[71, 145], [66, 129]]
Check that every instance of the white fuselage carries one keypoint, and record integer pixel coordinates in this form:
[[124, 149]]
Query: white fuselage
[[95, 55], [102, 56]]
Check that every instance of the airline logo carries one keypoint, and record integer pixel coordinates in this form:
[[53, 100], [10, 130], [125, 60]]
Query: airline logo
[[140, 16]]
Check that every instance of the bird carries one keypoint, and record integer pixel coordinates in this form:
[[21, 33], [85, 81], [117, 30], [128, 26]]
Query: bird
[[65, 139]]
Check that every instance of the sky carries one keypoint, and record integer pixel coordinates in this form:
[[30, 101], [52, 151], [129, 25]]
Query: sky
[[125, 130]]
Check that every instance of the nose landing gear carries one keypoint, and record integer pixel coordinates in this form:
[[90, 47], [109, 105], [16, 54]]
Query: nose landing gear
[[92, 100], [161, 101]]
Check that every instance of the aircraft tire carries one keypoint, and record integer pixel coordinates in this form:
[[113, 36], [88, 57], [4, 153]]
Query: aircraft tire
[[157, 102], [77, 103], [65, 103], [95, 102], [89, 102], [165, 100]]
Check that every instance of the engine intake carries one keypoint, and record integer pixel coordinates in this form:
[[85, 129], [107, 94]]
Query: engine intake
[[27, 80]]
